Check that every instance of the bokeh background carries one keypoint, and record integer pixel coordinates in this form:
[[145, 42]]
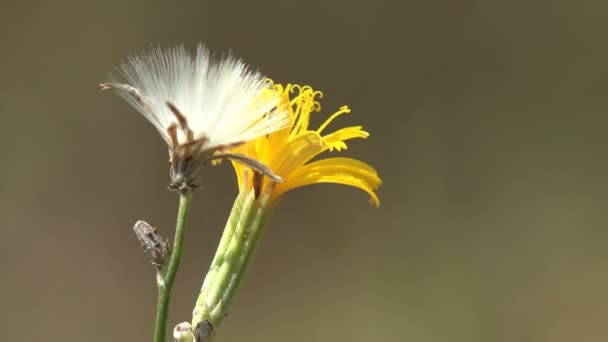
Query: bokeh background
[[487, 123]]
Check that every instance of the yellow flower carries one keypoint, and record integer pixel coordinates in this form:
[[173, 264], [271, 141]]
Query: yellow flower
[[288, 152]]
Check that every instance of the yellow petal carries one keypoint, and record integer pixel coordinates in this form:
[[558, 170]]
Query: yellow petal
[[345, 171], [337, 138], [297, 152]]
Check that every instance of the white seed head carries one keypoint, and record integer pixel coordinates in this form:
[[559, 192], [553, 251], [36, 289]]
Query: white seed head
[[198, 103]]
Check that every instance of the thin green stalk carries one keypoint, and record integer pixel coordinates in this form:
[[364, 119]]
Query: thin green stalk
[[165, 283], [236, 249]]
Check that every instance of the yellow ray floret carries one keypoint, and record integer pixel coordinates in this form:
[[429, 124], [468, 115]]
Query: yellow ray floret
[[288, 152]]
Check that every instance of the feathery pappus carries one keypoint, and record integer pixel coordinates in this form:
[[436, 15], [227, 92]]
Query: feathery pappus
[[201, 105]]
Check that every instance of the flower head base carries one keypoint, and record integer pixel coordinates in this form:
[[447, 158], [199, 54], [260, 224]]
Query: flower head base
[[288, 152], [199, 105]]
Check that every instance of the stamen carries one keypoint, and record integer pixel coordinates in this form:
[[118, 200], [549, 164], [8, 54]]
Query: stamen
[[302, 112], [343, 110]]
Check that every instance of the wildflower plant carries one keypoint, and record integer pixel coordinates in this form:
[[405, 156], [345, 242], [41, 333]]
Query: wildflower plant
[[209, 109]]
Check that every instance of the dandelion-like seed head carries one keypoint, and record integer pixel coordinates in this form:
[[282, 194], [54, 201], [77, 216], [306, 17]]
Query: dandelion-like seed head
[[199, 104]]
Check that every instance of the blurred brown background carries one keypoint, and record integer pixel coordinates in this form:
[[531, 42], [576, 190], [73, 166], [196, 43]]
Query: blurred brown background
[[488, 129]]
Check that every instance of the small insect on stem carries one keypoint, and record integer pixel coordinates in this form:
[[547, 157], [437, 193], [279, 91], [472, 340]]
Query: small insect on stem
[[156, 249]]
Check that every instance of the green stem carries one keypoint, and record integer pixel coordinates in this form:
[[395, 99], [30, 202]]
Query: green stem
[[165, 283], [236, 249]]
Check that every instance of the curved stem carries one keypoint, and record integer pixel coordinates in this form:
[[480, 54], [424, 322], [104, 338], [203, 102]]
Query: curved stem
[[165, 283]]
